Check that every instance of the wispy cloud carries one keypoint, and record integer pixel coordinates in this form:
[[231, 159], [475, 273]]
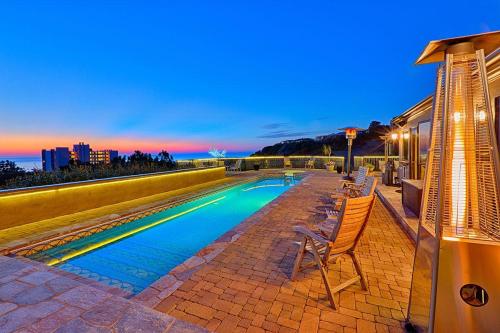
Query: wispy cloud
[[283, 134], [274, 125]]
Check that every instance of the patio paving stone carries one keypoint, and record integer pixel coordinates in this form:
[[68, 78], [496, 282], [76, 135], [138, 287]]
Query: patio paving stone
[[36, 298], [246, 287]]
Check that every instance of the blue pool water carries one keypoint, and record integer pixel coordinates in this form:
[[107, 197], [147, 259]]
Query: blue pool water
[[136, 254]]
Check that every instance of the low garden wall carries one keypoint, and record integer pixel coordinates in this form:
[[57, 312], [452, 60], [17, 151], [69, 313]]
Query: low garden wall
[[22, 206]]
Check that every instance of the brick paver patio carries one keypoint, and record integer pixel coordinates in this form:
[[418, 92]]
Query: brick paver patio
[[246, 288], [238, 284]]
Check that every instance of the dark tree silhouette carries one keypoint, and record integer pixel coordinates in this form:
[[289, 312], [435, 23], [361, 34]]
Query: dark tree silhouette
[[9, 170]]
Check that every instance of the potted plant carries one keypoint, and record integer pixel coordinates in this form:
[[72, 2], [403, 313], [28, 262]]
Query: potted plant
[[256, 166], [339, 169], [327, 151]]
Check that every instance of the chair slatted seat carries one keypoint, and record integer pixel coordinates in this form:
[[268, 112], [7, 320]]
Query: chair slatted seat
[[342, 239]]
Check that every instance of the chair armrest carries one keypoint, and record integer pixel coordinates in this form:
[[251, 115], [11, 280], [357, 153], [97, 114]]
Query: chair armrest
[[354, 186], [345, 182], [306, 232]]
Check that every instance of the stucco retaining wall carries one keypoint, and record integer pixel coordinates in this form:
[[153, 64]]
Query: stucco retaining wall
[[18, 207]]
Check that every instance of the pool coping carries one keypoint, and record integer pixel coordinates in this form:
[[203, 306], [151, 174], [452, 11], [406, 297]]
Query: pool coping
[[162, 288]]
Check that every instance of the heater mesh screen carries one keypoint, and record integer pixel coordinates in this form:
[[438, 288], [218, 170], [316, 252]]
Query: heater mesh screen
[[468, 190], [430, 199]]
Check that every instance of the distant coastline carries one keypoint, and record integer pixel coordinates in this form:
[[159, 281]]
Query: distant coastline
[[30, 162]]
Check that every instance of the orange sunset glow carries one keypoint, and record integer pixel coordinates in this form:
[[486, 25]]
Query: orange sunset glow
[[31, 144]]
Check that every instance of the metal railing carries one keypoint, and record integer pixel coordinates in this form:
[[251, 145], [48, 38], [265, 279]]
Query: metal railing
[[373, 160], [278, 162], [268, 162]]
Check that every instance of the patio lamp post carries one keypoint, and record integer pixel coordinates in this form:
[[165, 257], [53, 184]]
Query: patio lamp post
[[350, 134], [386, 139]]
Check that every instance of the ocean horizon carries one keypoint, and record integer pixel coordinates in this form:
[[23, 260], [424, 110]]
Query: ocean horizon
[[30, 162]]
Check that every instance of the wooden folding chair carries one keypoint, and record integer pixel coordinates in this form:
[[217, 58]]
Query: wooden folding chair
[[310, 164], [346, 186], [368, 188], [343, 238], [236, 166]]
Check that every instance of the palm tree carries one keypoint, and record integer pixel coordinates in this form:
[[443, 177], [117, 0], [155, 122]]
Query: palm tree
[[327, 151]]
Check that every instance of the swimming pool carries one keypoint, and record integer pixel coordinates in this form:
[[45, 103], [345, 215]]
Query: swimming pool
[[136, 254]]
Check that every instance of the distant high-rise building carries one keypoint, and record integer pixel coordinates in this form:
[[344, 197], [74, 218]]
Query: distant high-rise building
[[82, 152], [102, 156], [54, 159], [48, 159], [62, 157]]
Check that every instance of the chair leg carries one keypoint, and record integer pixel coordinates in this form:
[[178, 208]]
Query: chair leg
[[357, 267], [324, 274], [299, 258]]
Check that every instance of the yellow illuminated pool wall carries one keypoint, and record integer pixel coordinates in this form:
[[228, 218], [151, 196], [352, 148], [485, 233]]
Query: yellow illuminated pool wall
[[18, 207]]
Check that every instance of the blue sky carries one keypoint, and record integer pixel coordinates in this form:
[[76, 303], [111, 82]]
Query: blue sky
[[239, 75]]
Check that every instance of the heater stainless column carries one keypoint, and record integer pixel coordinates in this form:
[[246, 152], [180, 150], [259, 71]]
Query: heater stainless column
[[456, 278]]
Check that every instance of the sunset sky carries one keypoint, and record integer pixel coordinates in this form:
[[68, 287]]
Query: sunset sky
[[239, 75]]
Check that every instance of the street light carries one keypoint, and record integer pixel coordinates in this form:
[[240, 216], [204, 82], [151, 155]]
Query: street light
[[350, 134]]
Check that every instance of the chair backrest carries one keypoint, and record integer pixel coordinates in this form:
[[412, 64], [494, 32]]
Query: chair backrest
[[369, 186], [353, 218], [361, 176]]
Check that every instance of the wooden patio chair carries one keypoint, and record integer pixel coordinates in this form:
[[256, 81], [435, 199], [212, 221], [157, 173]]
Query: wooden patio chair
[[287, 163], [368, 188], [343, 238], [346, 185], [310, 164], [236, 166]]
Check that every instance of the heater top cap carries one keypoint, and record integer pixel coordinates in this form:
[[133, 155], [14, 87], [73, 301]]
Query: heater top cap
[[435, 51]]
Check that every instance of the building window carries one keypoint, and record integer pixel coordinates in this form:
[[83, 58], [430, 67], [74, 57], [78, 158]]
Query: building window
[[406, 146], [424, 140]]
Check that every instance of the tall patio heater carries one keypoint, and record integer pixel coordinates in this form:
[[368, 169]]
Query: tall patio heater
[[350, 134], [456, 277]]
